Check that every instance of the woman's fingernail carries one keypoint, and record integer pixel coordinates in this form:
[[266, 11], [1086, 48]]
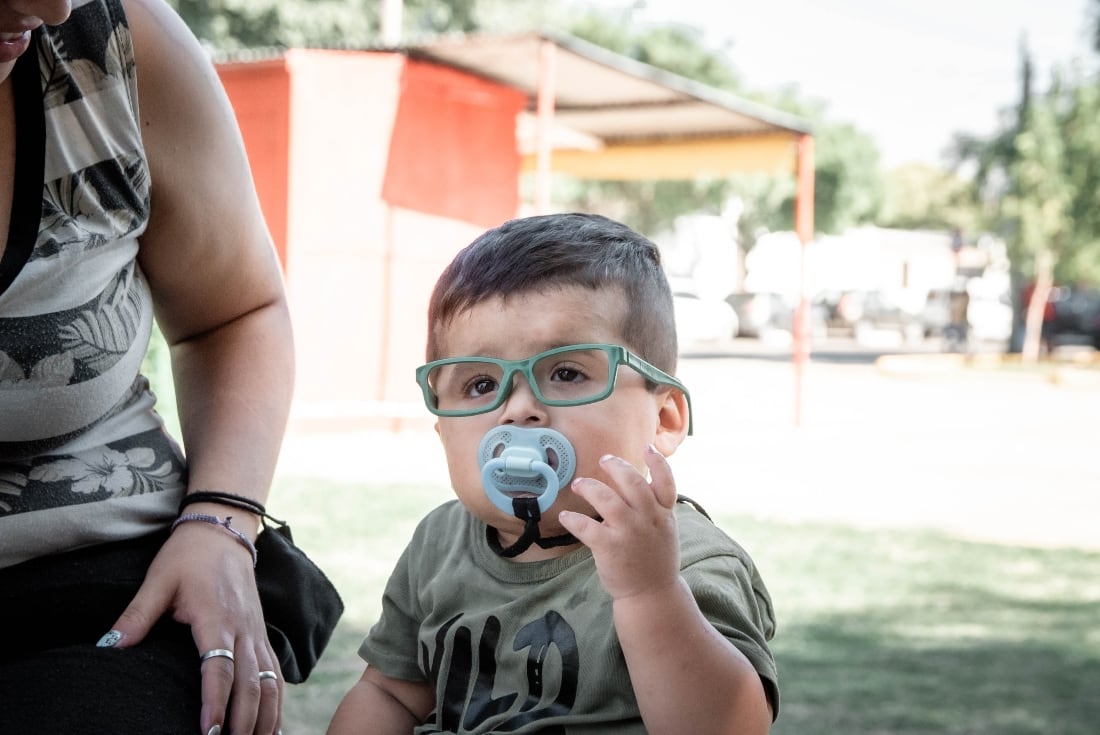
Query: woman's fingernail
[[110, 639], [215, 730]]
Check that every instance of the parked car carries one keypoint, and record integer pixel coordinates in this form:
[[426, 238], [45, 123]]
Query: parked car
[[866, 315], [759, 312], [990, 318], [700, 321], [1076, 316], [883, 315], [838, 310], [936, 314]]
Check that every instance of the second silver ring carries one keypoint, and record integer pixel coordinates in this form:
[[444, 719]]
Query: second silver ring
[[216, 653]]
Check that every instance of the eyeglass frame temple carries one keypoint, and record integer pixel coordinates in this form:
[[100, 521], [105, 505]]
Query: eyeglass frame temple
[[656, 375]]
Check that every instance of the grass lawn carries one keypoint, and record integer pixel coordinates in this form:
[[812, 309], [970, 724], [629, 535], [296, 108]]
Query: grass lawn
[[879, 632]]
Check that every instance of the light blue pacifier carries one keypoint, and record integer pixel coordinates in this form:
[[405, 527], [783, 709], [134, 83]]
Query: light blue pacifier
[[524, 461]]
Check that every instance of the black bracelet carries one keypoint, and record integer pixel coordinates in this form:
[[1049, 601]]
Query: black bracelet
[[220, 498]]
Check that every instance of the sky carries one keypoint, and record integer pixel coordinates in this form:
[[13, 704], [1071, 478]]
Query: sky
[[909, 73]]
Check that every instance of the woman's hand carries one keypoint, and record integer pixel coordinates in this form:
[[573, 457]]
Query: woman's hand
[[204, 577], [634, 545]]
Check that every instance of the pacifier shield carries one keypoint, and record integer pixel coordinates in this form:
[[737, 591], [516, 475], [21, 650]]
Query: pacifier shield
[[519, 461]]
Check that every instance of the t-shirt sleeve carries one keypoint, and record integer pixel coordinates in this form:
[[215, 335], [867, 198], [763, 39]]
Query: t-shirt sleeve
[[731, 594]]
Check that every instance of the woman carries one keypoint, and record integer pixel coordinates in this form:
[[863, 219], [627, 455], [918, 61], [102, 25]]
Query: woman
[[124, 188]]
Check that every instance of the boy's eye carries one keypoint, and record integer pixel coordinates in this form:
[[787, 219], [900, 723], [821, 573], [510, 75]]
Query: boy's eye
[[565, 374], [480, 386]]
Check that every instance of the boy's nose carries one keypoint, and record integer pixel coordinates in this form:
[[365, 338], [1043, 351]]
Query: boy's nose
[[521, 407]]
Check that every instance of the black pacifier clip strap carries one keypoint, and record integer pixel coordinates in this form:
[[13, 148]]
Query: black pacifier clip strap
[[527, 510]]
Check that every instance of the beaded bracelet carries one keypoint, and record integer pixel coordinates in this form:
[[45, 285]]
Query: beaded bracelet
[[214, 520]]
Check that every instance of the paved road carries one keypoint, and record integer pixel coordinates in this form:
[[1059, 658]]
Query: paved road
[[1002, 455]]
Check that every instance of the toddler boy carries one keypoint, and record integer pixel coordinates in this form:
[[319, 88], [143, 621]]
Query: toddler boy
[[565, 590]]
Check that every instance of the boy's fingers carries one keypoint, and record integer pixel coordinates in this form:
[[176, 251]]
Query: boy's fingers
[[577, 524], [663, 484]]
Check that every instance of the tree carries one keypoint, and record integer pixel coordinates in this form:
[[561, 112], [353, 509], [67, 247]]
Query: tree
[[1038, 205], [1077, 112], [233, 25], [923, 197], [1039, 178]]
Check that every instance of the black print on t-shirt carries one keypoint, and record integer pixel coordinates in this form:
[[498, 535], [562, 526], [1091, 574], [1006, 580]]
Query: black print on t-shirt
[[468, 686]]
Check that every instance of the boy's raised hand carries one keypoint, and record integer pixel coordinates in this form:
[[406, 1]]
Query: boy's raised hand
[[635, 544]]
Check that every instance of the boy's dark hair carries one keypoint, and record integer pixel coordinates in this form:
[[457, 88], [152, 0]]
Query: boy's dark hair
[[548, 251]]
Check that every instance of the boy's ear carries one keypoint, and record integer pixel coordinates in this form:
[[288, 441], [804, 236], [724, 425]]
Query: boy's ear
[[672, 421]]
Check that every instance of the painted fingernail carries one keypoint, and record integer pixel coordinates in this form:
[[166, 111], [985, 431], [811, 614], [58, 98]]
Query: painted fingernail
[[110, 639], [215, 730]]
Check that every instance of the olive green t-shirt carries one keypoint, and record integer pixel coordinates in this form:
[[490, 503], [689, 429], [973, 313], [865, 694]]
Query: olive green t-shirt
[[530, 647]]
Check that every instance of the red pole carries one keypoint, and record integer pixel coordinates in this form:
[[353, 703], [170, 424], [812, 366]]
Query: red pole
[[804, 227]]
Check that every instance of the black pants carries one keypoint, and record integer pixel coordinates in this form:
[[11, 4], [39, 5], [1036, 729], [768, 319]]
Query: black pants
[[53, 678]]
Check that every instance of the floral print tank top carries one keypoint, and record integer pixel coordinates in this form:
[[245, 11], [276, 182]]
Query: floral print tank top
[[84, 458]]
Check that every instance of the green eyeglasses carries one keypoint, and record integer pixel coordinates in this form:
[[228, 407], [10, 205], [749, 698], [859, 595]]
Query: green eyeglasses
[[564, 376]]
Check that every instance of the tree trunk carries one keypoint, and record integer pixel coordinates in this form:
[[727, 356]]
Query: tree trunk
[[1044, 281]]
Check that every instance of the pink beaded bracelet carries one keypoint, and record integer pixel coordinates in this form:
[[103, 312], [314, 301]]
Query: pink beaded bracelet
[[216, 521]]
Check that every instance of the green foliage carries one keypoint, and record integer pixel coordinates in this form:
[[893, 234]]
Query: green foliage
[[848, 182], [647, 206], [923, 197], [767, 204], [678, 49], [1039, 177], [431, 16], [232, 25], [1078, 118]]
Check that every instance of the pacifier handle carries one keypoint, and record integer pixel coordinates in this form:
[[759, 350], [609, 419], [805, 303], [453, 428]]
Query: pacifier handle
[[528, 465]]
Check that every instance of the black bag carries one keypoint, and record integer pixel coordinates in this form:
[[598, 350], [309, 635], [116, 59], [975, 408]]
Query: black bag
[[301, 606]]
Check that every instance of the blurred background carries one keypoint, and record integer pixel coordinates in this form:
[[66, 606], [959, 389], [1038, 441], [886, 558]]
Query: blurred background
[[951, 179], [896, 400]]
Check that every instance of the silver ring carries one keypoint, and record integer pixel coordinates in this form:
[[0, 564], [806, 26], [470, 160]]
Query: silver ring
[[216, 653], [268, 675]]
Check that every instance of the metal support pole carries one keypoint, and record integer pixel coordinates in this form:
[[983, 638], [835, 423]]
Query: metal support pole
[[804, 227]]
